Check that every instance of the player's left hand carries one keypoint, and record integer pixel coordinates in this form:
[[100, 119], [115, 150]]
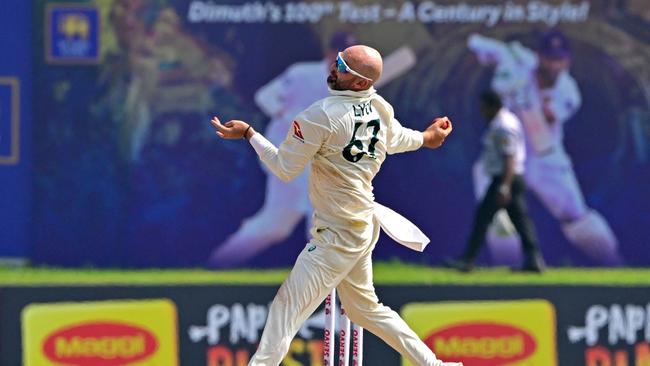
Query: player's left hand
[[233, 129], [437, 132]]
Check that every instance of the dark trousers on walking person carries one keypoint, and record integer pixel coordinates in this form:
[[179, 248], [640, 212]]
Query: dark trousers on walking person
[[518, 212]]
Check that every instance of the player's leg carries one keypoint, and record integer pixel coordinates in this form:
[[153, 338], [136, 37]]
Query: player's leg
[[482, 219], [317, 270], [502, 240], [558, 189], [362, 306], [592, 234], [518, 212]]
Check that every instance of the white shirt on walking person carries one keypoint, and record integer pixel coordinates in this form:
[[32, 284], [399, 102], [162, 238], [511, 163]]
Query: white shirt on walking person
[[503, 137]]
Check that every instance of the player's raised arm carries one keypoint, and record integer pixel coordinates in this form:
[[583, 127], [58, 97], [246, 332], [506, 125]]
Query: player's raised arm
[[304, 139], [489, 51]]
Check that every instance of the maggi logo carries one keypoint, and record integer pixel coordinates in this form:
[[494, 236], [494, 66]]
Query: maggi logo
[[482, 344], [100, 344], [483, 347], [104, 347]]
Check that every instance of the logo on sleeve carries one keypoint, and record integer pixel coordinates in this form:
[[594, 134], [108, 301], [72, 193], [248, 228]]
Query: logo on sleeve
[[297, 132]]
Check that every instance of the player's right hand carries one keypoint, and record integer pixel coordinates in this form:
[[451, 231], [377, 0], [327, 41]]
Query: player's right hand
[[233, 129]]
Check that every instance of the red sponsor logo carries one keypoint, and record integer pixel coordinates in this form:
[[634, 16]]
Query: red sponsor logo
[[356, 343], [297, 132], [482, 344], [343, 342], [100, 344], [326, 345]]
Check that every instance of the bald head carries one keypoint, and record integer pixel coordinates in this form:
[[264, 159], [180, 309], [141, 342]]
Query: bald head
[[364, 60]]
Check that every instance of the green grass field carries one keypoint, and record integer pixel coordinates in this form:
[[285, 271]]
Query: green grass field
[[385, 273]]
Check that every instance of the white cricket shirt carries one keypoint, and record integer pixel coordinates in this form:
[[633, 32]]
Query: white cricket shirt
[[346, 137]]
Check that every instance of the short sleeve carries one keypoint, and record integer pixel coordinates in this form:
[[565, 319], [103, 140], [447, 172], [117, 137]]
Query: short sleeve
[[505, 141]]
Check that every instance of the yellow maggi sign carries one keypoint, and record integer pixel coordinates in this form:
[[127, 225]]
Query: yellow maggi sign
[[487, 333], [103, 333]]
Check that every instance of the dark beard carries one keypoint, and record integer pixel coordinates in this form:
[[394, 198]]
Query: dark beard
[[333, 83]]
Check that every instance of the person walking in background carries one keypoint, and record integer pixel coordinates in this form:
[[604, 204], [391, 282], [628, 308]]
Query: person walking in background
[[346, 137], [538, 88], [502, 158]]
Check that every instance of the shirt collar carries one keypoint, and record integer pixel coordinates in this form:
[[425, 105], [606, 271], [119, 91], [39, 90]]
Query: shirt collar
[[351, 93]]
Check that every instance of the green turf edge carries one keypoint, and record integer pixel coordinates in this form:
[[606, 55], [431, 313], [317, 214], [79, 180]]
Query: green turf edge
[[385, 273]]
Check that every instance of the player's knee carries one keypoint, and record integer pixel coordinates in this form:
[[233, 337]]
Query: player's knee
[[263, 225], [351, 310], [570, 213], [362, 314], [591, 231], [277, 232], [356, 316]]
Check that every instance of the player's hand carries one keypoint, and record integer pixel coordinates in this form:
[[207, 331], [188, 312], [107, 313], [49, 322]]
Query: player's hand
[[437, 132], [233, 129]]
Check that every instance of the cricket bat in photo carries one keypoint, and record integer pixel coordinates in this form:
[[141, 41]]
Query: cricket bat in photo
[[396, 64]]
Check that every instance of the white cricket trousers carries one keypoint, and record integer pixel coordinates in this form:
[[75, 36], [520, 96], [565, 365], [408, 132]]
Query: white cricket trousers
[[319, 268]]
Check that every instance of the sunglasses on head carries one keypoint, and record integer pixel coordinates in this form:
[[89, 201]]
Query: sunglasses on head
[[342, 67]]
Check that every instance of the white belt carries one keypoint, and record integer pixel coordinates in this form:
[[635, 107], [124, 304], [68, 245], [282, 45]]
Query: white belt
[[400, 229]]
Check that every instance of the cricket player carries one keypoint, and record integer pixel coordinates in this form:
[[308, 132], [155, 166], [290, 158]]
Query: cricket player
[[345, 137], [538, 88], [285, 202]]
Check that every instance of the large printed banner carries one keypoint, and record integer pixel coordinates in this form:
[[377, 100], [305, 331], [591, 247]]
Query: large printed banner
[[222, 325], [128, 171]]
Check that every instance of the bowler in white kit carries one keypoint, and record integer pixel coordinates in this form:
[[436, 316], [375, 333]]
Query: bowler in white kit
[[346, 137]]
